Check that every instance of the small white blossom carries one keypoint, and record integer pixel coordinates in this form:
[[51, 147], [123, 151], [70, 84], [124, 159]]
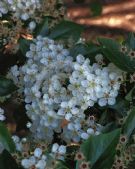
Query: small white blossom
[[37, 152], [2, 117]]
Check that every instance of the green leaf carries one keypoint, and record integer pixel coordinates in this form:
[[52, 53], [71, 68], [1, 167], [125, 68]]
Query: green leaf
[[61, 165], [66, 29], [43, 28], [111, 50], [109, 127], [5, 138], [84, 49], [129, 124], [129, 96], [121, 106], [131, 41], [100, 150], [6, 86], [24, 45], [96, 8], [7, 161]]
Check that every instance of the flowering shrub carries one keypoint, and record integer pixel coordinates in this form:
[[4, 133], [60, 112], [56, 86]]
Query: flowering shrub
[[78, 97], [21, 18]]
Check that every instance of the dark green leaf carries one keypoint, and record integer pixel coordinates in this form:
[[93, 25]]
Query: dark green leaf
[[121, 106], [100, 150], [66, 29], [5, 138], [129, 125], [61, 165], [111, 50], [129, 96], [7, 161], [96, 8], [6, 86], [24, 45], [131, 41], [84, 49], [43, 28], [109, 127]]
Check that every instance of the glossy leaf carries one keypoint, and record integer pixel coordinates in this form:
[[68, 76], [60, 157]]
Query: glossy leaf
[[109, 127], [131, 41], [84, 49], [5, 138], [111, 50], [6, 86], [129, 124], [100, 150], [66, 29]]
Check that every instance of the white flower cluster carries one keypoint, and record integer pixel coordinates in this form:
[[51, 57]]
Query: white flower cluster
[[38, 160], [57, 89], [34, 156], [2, 116], [41, 161], [23, 9], [58, 151], [92, 84]]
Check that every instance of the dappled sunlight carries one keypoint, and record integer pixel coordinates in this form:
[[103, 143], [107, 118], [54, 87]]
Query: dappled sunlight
[[119, 15]]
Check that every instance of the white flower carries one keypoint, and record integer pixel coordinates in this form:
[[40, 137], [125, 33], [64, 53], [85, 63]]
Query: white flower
[[37, 152], [25, 163], [29, 125], [68, 116], [32, 160], [80, 59], [16, 139], [90, 131], [97, 133], [55, 148], [41, 164], [111, 101], [99, 58], [2, 117], [32, 25], [102, 102], [58, 149], [85, 136], [62, 149]]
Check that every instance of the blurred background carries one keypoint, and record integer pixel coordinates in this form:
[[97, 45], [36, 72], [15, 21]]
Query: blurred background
[[111, 18]]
